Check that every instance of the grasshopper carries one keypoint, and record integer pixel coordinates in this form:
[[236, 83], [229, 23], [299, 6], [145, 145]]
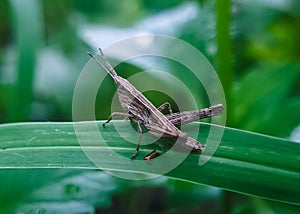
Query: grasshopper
[[138, 108]]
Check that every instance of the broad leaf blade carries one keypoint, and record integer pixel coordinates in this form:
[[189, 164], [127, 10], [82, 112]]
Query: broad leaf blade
[[244, 162]]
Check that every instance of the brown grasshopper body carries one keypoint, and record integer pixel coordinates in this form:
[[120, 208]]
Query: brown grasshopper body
[[140, 109]]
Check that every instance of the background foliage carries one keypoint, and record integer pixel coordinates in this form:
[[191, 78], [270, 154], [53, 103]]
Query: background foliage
[[253, 45]]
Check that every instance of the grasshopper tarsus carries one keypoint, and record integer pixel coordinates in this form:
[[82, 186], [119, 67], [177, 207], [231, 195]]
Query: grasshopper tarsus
[[134, 156], [151, 155], [104, 124], [136, 151]]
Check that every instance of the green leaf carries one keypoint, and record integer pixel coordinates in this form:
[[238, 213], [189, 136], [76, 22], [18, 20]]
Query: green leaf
[[263, 99], [245, 162]]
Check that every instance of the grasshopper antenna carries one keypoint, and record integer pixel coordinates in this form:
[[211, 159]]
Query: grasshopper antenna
[[111, 69], [100, 64]]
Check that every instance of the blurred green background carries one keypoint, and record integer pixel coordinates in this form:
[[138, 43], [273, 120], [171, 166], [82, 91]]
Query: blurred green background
[[253, 45]]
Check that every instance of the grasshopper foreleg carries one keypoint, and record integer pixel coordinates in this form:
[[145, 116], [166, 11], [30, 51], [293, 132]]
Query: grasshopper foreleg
[[120, 114]]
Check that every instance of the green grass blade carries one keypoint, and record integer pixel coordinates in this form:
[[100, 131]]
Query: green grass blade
[[244, 162], [27, 17], [224, 53]]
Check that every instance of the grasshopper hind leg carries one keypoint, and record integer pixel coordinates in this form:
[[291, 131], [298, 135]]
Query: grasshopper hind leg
[[165, 105]]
